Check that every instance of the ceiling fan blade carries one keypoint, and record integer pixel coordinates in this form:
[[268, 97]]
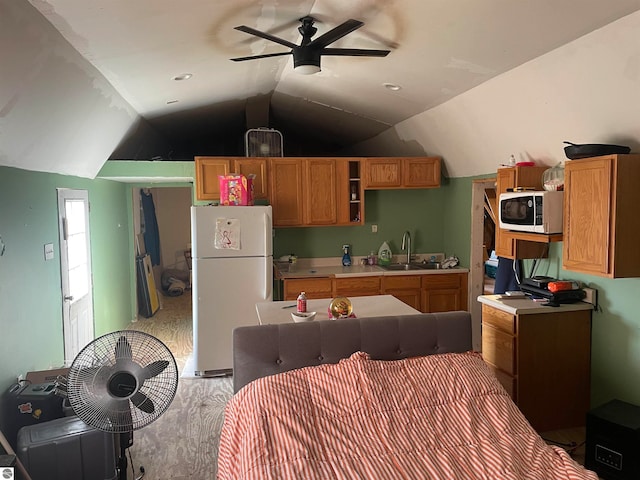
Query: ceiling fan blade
[[154, 368], [143, 402], [266, 36], [253, 57], [336, 33], [123, 349], [355, 52]]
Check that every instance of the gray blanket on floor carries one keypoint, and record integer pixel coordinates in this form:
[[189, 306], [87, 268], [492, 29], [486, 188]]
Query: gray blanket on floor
[[174, 282]]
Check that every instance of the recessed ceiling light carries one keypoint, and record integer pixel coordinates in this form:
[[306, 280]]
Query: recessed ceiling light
[[183, 76], [392, 86]]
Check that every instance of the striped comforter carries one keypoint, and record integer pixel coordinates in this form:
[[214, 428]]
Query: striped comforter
[[436, 417]]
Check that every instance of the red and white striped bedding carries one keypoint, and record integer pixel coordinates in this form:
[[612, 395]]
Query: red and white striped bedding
[[435, 417]]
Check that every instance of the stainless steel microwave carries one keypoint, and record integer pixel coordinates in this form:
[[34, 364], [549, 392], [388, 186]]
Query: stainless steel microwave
[[532, 211]]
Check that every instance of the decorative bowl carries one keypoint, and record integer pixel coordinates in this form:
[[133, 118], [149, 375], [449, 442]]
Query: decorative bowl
[[303, 316]]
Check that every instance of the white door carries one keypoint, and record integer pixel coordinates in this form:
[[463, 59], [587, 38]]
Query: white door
[[75, 263]]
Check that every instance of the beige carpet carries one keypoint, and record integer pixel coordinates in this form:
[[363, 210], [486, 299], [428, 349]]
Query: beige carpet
[[183, 442]]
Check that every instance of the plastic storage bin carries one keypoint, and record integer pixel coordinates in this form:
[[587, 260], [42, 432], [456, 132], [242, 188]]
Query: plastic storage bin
[[67, 448]]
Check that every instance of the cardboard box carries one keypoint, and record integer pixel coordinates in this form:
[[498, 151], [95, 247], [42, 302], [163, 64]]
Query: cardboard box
[[236, 189], [46, 376]]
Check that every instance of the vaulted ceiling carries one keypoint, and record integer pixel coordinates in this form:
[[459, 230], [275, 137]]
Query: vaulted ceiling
[[439, 49]]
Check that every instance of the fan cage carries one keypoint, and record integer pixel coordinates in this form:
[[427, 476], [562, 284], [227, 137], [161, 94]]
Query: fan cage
[[101, 359], [263, 142]]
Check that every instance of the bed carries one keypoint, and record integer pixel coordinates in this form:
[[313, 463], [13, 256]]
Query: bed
[[399, 397]]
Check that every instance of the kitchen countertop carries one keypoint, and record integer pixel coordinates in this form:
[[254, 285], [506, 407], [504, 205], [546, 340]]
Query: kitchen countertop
[[363, 307], [303, 269], [519, 306]]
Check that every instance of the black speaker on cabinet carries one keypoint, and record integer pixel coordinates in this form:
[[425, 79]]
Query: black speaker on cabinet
[[613, 441]]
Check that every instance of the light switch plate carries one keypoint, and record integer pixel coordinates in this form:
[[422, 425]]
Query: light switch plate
[[48, 251]]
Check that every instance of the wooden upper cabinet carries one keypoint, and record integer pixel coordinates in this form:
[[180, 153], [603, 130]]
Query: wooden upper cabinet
[[383, 173], [506, 245], [286, 194], [421, 172], [207, 170], [401, 172], [601, 229], [319, 191], [315, 191], [257, 167]]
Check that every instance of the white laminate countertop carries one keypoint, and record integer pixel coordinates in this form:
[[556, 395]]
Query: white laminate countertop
[[363, 307], [519, 306], [305, 270]]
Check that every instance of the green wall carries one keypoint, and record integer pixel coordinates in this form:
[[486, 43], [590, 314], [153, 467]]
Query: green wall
[[30, 290], [393, 211], [439, 220], [615, 345]]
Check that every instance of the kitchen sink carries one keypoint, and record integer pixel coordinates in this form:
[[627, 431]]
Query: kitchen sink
[[410, 266], [430, 266]]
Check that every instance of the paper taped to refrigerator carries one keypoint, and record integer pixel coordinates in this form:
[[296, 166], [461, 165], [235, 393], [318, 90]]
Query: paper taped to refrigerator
[[227, 236]]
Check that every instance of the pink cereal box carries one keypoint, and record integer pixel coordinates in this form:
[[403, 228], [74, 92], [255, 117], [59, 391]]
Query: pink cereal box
[[236, 189]]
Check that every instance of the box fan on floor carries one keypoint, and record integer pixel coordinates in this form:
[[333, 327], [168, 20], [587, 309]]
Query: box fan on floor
[[263, 142]]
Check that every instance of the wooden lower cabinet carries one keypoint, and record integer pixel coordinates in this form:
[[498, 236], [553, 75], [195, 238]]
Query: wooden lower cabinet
[[356, 286], [428, 293], [444, 292], [316, 287], [543, 360], [404, 287]]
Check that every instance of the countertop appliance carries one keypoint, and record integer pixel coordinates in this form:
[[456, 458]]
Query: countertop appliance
[[532, 211], [232, 270]]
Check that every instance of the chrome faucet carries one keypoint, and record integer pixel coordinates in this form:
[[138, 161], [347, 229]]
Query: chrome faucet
[[406, 244]]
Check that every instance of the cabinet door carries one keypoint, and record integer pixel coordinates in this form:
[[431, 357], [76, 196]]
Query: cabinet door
[[257, 167], [405, 288], [313, 288], [356, 286], [587, 201], [505, 178], [421, 172], [285, 179], [444, 292], [382, 173], [319, 191], [207, 171]]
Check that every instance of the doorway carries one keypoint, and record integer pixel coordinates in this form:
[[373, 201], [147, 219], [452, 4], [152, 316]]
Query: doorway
[[75, 271], [483, 209], [171, 205]]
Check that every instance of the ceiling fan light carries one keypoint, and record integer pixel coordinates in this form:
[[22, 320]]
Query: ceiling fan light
[[307, 69]]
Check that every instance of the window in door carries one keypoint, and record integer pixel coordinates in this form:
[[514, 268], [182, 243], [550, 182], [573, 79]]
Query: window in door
[[75, 270]]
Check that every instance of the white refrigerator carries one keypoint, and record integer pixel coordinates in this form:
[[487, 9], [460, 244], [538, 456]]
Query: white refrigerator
[[232, 267]]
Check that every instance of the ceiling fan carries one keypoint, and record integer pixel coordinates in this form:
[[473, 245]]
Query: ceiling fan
[[306, 56]]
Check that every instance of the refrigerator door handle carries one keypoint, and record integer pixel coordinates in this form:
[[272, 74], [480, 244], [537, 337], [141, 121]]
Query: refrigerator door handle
[[268, 284], [267, 232]]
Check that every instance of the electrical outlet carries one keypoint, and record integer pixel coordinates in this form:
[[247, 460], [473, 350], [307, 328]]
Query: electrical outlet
[[374, 228], [592, 296]]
